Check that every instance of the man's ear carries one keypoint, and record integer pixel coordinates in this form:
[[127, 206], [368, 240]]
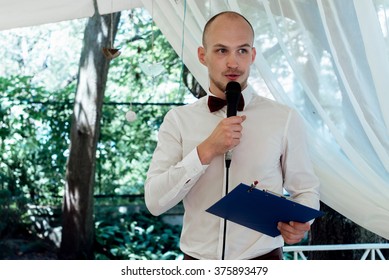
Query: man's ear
[[201, 55], [254, 54]]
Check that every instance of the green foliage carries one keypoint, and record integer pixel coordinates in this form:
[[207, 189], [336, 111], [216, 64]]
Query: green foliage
[[37, 90], [139, 237], [32, 139], [142, 43], [36, 116], [125, 149]]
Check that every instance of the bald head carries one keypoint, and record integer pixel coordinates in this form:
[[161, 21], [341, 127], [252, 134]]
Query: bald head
[[230, 15]]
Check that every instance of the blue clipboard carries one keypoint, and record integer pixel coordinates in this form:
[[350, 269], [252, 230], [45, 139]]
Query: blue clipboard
[[261, 210]]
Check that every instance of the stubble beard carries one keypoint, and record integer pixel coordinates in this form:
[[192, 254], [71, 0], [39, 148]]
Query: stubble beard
[[222, 87]]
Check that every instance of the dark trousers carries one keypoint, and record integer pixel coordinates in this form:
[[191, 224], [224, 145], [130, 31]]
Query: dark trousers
[[276, 254]]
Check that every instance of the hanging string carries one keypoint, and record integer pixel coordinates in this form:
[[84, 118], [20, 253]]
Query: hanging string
[[110, 52], [182, 50], [152, 68], [111, 24], [152, 29], [153, 60]]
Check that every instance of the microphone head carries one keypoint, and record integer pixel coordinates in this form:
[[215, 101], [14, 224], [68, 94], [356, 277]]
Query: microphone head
[[233, 87], [233, 91]]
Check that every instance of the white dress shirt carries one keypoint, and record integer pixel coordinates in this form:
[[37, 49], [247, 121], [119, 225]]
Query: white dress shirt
[[272, 150]]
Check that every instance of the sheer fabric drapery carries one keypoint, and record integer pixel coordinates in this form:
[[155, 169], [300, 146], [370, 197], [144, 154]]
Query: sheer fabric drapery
[[329, 60]]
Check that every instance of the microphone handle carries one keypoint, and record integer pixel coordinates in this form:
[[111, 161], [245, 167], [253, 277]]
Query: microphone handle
[[231, 111], [227, 158]]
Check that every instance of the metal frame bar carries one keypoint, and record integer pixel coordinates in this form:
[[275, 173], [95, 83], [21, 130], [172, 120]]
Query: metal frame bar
[[370, 248]]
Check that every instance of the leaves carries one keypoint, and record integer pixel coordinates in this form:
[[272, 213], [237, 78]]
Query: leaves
[[36, 116], [37, 90], [138, 237]]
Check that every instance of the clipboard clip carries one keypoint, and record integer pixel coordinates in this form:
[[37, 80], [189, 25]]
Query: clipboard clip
[[274, 193], [253, 186]]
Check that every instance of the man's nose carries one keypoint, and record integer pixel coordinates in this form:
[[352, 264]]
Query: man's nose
[[232, 61]]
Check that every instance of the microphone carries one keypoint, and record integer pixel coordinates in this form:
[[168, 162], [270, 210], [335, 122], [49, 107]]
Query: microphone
[[233, 92]]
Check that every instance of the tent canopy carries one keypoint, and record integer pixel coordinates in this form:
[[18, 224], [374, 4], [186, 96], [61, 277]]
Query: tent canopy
[[23, 13]]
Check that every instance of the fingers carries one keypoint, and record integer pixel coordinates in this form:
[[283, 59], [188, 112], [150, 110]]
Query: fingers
[[230, 131], [293, 232], [224, 137]]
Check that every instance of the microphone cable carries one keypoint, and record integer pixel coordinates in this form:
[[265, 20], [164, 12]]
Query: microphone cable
[[225, 220], [233, 92]]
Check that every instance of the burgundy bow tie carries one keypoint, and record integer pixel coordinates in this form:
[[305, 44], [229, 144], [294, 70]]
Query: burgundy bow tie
[[216, 103]]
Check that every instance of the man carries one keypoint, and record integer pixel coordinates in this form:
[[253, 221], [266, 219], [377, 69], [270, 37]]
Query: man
[[268, 145]]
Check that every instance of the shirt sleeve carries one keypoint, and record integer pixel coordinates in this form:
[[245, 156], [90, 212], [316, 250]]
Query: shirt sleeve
[[171, 174], [300, 180]]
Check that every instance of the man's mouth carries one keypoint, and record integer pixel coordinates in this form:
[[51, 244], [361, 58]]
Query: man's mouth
[[232, 76]]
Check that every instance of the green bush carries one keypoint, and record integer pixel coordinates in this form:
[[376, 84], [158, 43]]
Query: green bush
[[139, 237]]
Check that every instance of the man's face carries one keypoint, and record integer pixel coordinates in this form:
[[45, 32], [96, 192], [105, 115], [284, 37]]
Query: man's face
[[228, 53]]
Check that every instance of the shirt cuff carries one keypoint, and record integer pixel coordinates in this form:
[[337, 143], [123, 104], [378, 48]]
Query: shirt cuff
[[192, 165]]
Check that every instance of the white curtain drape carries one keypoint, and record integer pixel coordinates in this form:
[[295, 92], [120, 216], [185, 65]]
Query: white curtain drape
[[22, 13], [329, 60]]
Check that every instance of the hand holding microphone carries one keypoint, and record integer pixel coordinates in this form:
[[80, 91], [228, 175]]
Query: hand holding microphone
[[227, 133]]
